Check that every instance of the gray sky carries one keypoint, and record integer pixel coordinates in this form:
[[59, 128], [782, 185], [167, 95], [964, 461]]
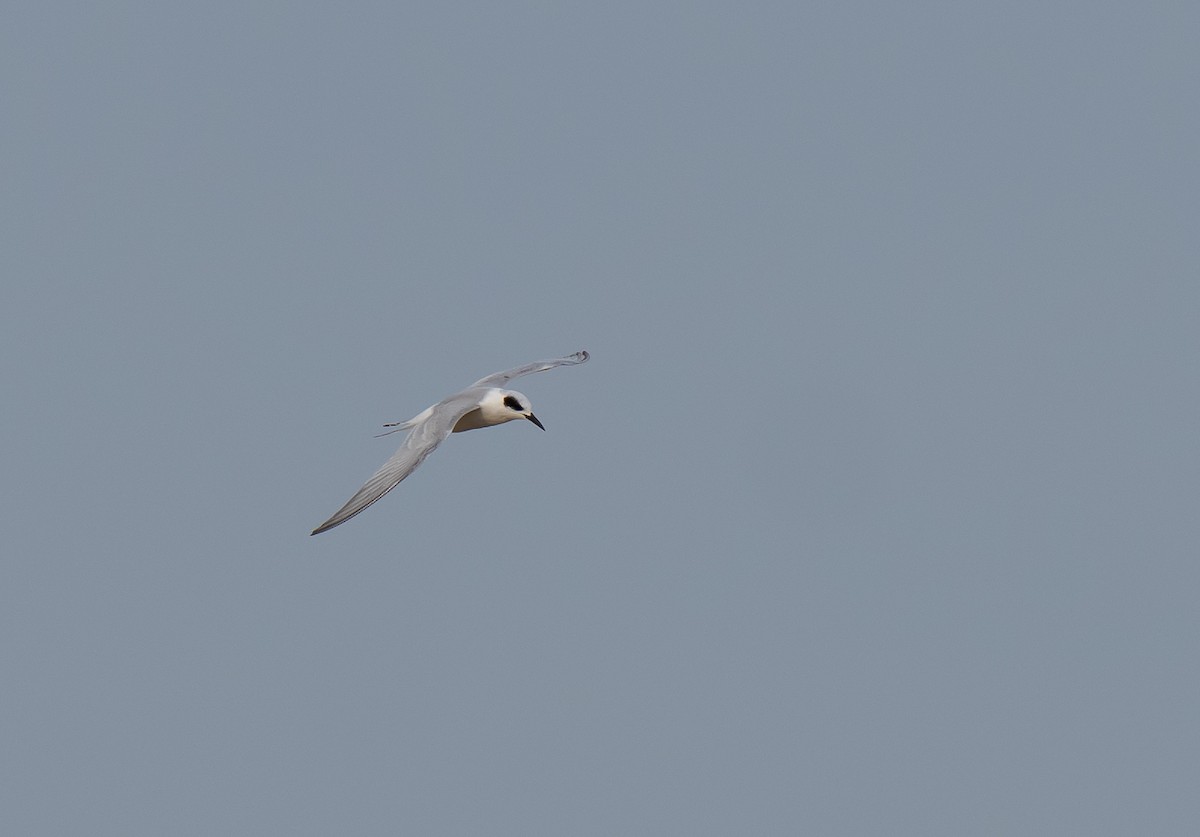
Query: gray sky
[[875, 511]]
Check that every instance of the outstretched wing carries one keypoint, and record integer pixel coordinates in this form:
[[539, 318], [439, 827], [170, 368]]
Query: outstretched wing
[[499, 379], [418, 444]]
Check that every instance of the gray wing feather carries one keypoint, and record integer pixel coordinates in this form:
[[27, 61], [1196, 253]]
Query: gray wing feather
[[421, 441], [499, 379]]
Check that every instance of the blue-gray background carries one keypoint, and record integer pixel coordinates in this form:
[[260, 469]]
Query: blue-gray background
[[875, 511]]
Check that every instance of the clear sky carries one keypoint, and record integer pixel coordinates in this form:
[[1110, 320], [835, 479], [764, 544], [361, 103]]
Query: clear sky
[[874, 512]]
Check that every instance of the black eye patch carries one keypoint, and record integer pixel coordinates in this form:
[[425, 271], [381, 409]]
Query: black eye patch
[[513, 404]]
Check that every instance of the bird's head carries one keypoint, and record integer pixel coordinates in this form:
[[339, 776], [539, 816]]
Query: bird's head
[[516, 406]]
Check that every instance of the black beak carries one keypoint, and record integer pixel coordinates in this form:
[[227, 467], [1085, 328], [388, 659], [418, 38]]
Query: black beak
[[533, 418]]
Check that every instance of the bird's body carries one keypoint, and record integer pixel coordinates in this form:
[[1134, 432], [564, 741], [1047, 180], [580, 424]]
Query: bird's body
[[483, 404]]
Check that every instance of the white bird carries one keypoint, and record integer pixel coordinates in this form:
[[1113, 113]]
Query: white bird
[[482, 404]]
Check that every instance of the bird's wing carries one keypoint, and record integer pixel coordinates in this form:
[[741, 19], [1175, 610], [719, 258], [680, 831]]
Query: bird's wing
[[418, 444], [499, 379]]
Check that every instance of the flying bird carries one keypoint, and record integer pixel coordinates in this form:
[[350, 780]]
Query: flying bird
[[482, 404]]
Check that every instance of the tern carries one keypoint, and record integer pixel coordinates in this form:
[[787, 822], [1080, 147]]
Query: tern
[[484, 403]]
